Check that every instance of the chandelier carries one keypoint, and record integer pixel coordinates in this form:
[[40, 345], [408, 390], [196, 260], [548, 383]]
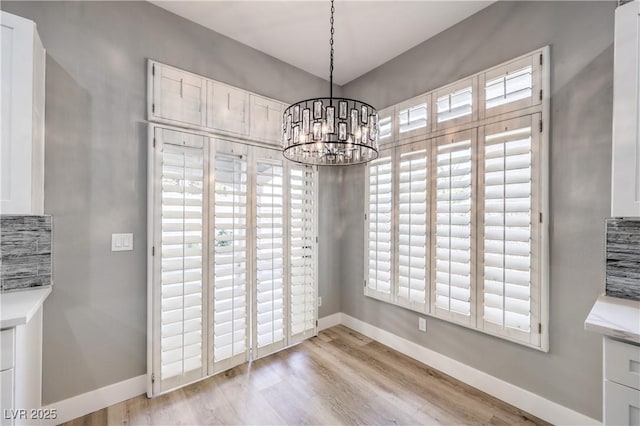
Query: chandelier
[[330, 131]]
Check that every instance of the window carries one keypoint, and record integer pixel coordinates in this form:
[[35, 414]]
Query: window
[[385, 124], [413, 117], [380, 211], [233, 270], [454, 236], [413, 224], [455, 222]]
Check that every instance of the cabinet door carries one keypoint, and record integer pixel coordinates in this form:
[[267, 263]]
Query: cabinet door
[[178, 95], [621, 405], [22, 128], [6, 397], [625, 188], [227, 108], [266, 119]]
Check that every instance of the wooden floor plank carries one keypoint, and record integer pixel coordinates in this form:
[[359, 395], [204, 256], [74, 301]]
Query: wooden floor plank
[[340, 377]]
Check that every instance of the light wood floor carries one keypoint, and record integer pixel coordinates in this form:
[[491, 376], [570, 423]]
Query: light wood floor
[[339, 377]]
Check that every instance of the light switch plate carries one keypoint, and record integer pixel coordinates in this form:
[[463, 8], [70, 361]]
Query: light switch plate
[[121, 242], [422, 324]]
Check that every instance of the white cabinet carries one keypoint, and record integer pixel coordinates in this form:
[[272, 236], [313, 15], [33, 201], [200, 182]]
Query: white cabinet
[[621, 383], [227, 108], [7, 351], [177, 95], [22, 94], [266, 119], [625, 179]]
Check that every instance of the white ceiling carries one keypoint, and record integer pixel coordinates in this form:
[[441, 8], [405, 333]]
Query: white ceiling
[[367, 33]]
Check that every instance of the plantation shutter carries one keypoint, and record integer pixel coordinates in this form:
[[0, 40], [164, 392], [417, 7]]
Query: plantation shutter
[[179, 266], [455, 104], [385, 125], [509, 231], [413, 117], [453, 270], [269, 296], [413, 224], [379, 250], [230, 246], [512, 86], [302, 249]]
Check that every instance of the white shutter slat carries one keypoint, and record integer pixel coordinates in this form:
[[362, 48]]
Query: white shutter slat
[[302, 259], [453, 258], [507, 227], [230, 281], [180, 261], [269, 284], [380, 224], [412, 229]]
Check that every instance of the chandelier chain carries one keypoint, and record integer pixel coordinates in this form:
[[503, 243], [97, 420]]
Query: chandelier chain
[[331, 56]]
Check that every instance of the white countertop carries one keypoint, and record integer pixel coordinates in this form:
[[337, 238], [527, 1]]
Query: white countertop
[[615, 317], [18, 307]]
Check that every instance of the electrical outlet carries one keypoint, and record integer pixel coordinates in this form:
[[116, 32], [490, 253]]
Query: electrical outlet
[[319, 301], [422, 324]]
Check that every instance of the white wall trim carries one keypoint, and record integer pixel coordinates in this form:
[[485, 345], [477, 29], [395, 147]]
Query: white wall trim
[[330, 321], [86, 403], [525, 400]]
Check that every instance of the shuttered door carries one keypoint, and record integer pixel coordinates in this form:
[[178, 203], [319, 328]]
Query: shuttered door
[[230, 249], [179, 266], [269, 295], [302, 248], [379, 250], [453, 274], [413, 224], [509, 228]]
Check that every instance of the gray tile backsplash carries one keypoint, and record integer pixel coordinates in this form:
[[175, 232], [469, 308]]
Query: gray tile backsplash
[[25, 251], [623, 258]]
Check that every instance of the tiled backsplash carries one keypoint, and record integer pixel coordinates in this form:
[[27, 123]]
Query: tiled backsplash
[[623, 258], [25, 251]]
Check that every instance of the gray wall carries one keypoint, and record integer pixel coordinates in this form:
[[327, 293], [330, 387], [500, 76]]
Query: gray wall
[[95, 171], [581, 37]]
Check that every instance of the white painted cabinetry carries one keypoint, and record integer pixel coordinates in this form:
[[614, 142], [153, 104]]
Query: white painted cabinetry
[[625, 191], [266, 119], [191, 101], [227, 108], [178, 95], [22, 95], [621, 383]]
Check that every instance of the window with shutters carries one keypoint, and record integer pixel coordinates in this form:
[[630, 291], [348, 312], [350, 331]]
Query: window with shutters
[[509, 233], [233, 240], [302, 241], [379, 218], [456, 225], [413, 224], [230, 270], [454, 236], [413, 117], [385, 124], [269, 255], [180, 294]]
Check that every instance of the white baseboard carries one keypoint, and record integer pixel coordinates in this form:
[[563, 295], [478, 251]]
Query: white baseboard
[[511, 394], [329, 321], [86, 403]]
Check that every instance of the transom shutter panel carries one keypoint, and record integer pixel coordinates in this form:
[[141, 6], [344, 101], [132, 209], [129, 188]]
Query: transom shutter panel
[[385, 124], [179, 259], [302, 234], [230, 272], [413, 117], [413, 223], [454, 232], [269, 278], [508, 264], [179, 95], [379, 251], [512, 86]]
